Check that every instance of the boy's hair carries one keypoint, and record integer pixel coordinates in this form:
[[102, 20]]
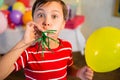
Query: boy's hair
[[42, 2]]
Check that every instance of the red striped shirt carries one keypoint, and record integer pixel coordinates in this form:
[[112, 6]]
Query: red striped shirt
[[53, 67]]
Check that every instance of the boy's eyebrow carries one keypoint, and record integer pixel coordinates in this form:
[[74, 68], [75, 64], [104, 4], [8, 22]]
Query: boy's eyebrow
[[43, 10], [39, 9]]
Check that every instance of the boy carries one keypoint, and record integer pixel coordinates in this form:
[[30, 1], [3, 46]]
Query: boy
[[47, 15]]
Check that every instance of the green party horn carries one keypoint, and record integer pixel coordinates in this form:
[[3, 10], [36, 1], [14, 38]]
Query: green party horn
[[42, 40]]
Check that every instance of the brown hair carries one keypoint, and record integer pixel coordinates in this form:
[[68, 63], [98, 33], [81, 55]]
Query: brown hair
[[42, 2]]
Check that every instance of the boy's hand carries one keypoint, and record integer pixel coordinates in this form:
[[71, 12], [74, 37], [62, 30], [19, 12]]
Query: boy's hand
[[85, 73], [31, 32]]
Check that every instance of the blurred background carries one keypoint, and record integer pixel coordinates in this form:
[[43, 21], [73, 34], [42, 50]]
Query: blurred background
[[85, 16]]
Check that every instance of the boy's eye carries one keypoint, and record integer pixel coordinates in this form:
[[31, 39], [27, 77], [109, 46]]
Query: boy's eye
[[54, 16], [40, 15]]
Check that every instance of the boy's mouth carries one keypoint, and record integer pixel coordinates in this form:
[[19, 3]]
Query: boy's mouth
[[49, 33]]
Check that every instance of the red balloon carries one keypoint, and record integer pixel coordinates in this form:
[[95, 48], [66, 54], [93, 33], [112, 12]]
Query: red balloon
[[6, 13], [12, 25], [25, 2], [9, 20]]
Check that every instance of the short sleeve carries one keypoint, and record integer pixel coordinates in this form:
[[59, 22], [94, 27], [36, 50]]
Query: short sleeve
[[70, 60], [21, 61]]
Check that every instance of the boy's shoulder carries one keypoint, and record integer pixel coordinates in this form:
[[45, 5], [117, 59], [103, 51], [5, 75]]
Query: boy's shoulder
[[65, 42]]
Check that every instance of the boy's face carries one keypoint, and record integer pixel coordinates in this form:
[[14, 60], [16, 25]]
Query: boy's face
[[50, 17]]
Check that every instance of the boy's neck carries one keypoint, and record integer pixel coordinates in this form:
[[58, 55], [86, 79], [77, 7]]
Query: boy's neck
[[54, 44]]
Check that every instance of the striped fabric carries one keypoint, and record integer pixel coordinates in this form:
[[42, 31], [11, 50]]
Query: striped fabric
[[52, 67]]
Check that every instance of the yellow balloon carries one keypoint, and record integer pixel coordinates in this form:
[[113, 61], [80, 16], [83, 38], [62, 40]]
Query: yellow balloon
[[19, 6], [102, 51]]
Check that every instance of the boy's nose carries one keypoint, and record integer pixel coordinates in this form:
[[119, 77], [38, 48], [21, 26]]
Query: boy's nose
[[46, 23], [46, 26]]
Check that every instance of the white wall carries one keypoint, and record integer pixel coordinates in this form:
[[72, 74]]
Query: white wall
[[98, 13]]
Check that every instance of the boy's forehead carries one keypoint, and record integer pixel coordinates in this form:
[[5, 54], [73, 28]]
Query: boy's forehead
[[50, 5]]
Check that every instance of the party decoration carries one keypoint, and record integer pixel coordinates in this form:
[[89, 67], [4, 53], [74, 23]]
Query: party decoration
[[74, 22], [27, 16], [6, 13], [3, 23], [12, 25], [25, 2], [9, 2], [42, 40], [10, 8], [16, 17], [1, 2], [19, 6], [102, 51], [4, 7]]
